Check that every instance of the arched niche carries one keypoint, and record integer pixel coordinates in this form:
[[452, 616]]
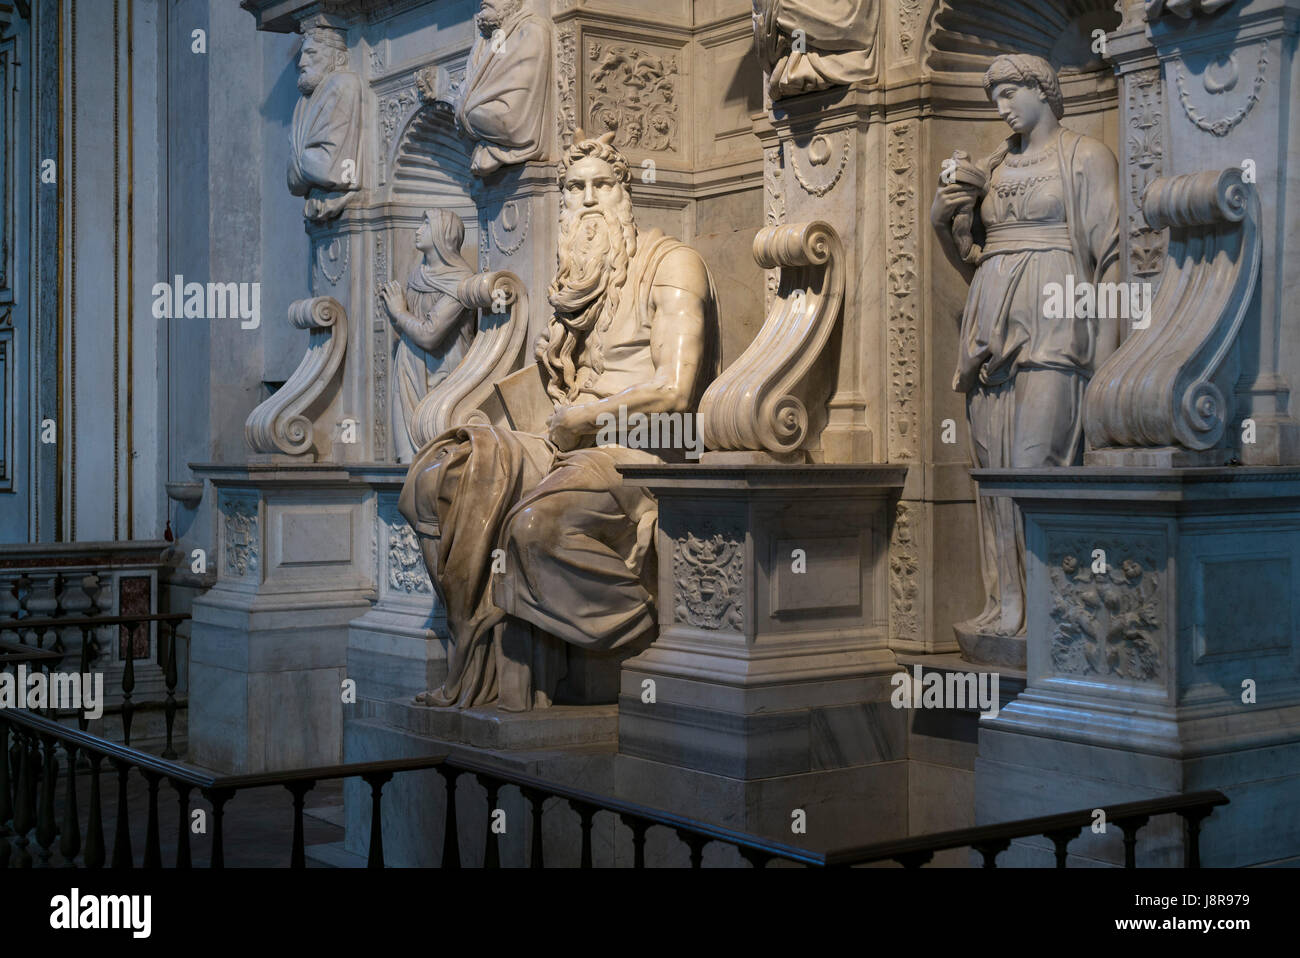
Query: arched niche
[[964, 36], [429, 169]]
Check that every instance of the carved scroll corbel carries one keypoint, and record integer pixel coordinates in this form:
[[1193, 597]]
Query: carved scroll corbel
[[503, 323], [1165, 386], [760, 402], [282, 423]]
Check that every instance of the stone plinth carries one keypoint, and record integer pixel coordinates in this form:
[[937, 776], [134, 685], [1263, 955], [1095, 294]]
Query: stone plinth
[[269, 642], [1162, 657], [772, 659]]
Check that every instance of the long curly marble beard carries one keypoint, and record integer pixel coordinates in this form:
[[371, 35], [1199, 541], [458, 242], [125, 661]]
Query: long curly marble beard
[[595, 250]]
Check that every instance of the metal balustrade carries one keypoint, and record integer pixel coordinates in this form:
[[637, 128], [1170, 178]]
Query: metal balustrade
[[35, 749]]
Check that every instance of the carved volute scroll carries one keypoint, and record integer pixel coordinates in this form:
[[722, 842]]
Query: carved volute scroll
[[502, 302], [1161, 388], [283, 424], [760, 401]]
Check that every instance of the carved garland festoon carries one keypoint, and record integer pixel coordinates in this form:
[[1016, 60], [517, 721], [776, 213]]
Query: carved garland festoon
[[503, 323], [1160, 388], [281, 424], [759, 402]]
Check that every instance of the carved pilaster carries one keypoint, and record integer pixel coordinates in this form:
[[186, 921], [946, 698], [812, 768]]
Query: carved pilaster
[[904, 335]]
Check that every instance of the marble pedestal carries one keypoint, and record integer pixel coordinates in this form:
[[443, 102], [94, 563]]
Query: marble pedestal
[[767, 689], [269, 642], [1176, 668], [398, 648]]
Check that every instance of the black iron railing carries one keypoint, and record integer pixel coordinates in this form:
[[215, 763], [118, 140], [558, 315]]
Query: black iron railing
[[41, 637], [36, 746]]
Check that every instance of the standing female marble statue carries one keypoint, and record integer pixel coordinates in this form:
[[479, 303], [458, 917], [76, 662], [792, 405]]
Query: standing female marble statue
[[434, 328], [1043, 207]]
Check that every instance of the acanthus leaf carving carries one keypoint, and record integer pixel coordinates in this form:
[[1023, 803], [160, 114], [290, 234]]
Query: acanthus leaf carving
[[903, 330], [1106, 623], [1145, 161], [904, 585], [633, 93], [566, 78]]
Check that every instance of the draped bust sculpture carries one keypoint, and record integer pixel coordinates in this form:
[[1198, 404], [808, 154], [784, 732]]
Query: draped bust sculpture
[[540, 526], [1042, 209], [324, 155], [434, 328], [503, 102], [807, 45]]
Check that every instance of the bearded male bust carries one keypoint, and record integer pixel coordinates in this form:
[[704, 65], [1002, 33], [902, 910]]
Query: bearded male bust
[[634, 329]]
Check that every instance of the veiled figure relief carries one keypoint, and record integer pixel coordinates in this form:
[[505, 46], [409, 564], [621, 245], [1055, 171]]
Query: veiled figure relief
[[324, 156], [434, 329], [1042, 209], [535, 522]]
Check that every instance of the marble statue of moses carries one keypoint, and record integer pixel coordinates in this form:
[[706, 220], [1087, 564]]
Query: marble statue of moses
[[634, 329]]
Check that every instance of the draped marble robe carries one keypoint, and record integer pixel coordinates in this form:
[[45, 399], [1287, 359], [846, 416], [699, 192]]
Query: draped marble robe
[[840, 39], [1025, 373], [504, 101], [325, 144], [577, 540]]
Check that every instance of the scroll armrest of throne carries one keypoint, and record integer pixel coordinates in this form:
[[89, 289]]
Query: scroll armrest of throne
[[1170, 385], [466, 397], [772, 400], [285, 424]]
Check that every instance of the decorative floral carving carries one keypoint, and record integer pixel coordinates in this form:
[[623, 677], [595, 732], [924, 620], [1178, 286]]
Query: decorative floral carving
[[511, 223], [239, 515], [903, 334], [1106, 623], [1222, 125], [380, 355], [708, 578], [1145, 163], [774, 193], [909, 18], [406, 571], [819, 154], [566, 77], [904, 589], [392, 109], [632, 93]]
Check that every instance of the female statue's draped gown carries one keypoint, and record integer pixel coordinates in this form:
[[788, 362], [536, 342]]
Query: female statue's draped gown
[[1047, 215]]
